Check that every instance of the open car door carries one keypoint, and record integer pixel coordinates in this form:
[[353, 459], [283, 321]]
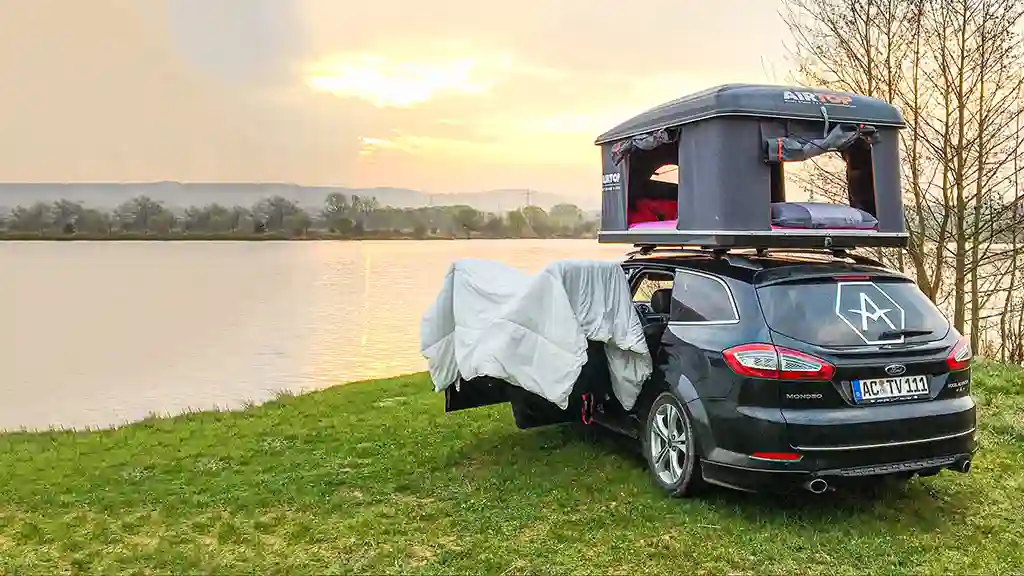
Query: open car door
[[528, 409]]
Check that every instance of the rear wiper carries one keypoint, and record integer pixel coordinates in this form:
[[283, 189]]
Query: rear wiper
[[897, 333]]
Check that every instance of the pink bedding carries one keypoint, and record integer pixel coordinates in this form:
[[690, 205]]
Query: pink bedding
[[655, 225]]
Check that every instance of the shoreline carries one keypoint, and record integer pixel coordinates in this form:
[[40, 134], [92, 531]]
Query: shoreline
[[989, 369]]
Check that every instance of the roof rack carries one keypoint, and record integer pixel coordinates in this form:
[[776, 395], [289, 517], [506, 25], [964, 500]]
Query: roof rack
[[648, 249], [836, 253]]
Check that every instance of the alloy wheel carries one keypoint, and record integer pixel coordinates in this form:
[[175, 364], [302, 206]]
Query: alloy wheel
[[668, 443]]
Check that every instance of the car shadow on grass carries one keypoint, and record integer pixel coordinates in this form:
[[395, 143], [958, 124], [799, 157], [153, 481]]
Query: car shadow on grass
[[553, 454]]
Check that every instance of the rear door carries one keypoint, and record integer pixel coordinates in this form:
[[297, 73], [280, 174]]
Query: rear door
[[890, 348]]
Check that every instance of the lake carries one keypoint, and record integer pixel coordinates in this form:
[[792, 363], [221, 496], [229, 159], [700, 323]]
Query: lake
[[94, 334]]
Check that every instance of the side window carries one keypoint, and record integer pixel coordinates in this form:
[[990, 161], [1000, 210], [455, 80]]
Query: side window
[[651, 281], [703, 299], [668, 173]]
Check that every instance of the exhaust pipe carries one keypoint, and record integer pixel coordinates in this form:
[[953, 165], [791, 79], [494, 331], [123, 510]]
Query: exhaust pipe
[[817, 486], [963, 466]]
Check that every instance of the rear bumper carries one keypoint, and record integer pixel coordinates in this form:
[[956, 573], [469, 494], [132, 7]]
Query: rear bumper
[[921, 443], [783, 480]]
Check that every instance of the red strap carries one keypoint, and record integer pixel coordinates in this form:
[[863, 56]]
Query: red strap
[[583, 411]]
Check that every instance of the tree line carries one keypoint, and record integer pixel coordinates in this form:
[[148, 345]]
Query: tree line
[[340, 216]]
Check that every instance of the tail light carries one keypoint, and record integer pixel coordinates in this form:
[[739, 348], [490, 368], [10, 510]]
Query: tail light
[[776, 363], [961, 355], [778, 456]]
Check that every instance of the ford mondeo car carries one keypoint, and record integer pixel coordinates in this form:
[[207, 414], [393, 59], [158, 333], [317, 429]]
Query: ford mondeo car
[[748, 340]]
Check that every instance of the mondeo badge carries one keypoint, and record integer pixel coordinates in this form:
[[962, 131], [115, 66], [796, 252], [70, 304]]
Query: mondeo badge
[[895, 369]]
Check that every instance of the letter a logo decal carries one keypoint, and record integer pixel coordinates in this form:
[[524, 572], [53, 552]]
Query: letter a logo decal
[[875, 313], [857, 305]]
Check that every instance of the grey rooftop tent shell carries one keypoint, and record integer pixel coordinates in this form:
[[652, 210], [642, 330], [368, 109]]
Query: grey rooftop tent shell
[[731, 143]]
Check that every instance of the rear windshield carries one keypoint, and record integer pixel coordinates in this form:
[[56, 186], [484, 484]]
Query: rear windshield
[[852, 313]]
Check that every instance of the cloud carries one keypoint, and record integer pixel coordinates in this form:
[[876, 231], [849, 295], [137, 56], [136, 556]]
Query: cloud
[[247, 42]]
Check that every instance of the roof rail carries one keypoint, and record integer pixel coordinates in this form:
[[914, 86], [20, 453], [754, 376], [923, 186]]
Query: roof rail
[[833, 252]]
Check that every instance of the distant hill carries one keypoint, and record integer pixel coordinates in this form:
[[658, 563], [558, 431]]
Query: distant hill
[[180, 195]]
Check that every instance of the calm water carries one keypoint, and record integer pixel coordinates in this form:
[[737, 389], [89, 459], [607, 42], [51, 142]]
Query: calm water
[[95, 334]]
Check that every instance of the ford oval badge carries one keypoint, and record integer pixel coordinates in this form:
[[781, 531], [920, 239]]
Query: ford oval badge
[[895, 369]]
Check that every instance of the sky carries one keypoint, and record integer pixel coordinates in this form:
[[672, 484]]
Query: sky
[[439, 96]]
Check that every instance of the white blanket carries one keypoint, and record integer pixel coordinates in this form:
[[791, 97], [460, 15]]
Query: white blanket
[[531, 331]]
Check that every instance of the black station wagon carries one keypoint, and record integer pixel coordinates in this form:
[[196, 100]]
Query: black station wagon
[[778, 371], [782, 357]]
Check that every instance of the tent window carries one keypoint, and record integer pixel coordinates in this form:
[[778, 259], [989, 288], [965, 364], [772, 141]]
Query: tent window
[[653, 186], [851, 142]]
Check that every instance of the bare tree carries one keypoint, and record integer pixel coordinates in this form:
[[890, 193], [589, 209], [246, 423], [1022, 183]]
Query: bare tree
[[1009, 349], [954, 67]]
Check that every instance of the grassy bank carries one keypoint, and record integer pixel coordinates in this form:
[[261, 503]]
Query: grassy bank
[[374, 477]]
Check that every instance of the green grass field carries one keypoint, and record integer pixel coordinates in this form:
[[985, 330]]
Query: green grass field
[[375, 478]]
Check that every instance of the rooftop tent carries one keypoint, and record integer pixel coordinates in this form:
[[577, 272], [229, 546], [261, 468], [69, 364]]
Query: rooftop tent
[[732, 144]]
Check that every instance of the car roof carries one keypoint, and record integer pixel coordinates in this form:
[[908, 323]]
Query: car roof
[[751, 268]]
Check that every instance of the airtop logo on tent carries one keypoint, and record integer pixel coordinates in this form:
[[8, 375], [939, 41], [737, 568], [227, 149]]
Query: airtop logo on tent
[[612, 178], [817, 98]]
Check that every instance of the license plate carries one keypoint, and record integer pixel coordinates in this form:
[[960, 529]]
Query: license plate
[[878, 389]]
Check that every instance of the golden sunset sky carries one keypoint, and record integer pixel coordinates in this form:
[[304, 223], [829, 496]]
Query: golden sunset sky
[[440, 96]]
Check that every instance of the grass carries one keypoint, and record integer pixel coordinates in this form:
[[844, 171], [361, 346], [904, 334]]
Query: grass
[[374, 478]]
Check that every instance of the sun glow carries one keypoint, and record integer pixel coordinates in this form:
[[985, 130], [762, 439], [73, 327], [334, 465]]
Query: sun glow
[[516, 116], [385, 82], [546, 140]]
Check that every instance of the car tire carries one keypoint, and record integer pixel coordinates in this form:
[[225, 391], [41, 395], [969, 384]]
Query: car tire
[[670, 447]]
